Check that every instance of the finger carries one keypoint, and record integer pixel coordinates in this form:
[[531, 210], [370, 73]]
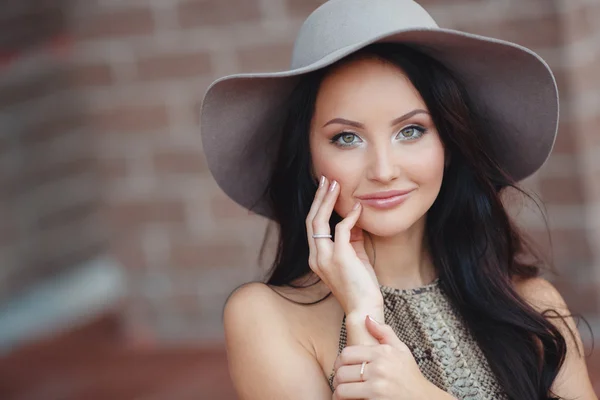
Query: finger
[[321, 221], [319, 196], [357, 241], [348, 373], [356, 233], [343, 229], [352, 355], [352, 390], [382, 332]]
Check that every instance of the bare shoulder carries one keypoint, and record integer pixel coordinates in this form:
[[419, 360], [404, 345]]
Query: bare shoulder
[[573, 379], [541, 295], [266, 357], [284, 303], [249, 307]]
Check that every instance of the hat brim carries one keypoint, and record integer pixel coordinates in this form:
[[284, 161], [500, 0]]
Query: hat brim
[[513, 86]]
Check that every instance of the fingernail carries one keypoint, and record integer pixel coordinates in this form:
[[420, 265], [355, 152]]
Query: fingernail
[[373, 319], [356, 206], [322, 183], [333, 185]]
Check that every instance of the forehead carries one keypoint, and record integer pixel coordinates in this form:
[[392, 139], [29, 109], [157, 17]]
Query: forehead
[[366, 83]]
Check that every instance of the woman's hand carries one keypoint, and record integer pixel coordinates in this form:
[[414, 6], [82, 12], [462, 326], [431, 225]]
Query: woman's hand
[[391, 372], [343, 265]]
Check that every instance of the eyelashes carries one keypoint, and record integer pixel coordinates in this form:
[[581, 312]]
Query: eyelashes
[[341, 139], [350, 139]]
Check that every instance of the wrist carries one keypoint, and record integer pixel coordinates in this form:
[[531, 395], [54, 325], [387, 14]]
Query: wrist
[[357, 317]]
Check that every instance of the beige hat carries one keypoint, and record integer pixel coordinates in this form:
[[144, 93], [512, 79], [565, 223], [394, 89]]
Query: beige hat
[[511, 84]]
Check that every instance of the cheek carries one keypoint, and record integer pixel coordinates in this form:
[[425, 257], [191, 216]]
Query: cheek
[[336, 166], [432, 172], [427, 166]]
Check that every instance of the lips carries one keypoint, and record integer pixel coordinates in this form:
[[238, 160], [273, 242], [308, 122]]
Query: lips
[[385, 200]]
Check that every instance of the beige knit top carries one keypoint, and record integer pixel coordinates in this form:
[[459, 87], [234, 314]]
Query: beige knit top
[[447, 355]]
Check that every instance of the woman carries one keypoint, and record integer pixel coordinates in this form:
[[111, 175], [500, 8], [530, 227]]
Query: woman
[[382, 155]]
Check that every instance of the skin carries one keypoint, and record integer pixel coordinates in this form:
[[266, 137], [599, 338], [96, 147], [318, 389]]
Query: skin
[[278, 349]]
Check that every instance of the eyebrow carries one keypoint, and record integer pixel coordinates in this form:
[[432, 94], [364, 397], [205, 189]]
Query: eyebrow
[[361, 126]]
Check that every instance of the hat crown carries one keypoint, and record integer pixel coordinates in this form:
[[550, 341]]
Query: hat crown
[[341, 23]]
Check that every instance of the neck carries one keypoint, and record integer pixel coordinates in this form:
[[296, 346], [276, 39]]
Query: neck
[[401, 261]]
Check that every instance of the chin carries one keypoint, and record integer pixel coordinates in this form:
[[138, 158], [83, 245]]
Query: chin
[[387, 224]]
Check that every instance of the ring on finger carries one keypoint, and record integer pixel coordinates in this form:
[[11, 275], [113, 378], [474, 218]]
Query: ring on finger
[[321, 236], [362, 371]]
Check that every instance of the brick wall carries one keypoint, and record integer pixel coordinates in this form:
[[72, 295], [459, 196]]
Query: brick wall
[[129, 137], [49, 197]]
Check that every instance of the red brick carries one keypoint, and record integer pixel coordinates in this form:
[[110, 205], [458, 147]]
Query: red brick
[[111, 25], [562, 190], [33, 27], [576, 25], [181, 161], [593, 362], [222, 207], [38, 173], [212, 254], [580, 298], [90, 75], [92, 365], [128, 250], [132, 214], [571, 248], [592, 184], [49, 260], [566, 141], [535, 33], [589, 132], [303, 8], [563, 78], [69, 215], [35, 87], [111, 169], [265, 58], [9, 234], [165, 66], [129, 118], [185, 305], [6, 145], [50, 129], [585, 79], [198, 13], [577, 133], [578, 81]]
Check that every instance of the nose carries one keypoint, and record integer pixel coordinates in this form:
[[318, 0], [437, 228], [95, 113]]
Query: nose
[[382, 166]]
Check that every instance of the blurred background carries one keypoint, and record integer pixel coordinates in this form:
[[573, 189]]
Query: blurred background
[[118, 250]]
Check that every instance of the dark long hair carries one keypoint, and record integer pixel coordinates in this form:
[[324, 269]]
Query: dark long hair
[[475, 247]]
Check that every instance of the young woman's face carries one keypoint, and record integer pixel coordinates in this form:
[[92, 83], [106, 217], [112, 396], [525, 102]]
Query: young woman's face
[[372, 133]]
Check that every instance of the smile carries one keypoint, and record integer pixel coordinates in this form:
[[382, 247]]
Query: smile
[[385, 200]]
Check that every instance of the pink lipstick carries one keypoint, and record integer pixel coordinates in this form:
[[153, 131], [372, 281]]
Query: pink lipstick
[[385, 200]]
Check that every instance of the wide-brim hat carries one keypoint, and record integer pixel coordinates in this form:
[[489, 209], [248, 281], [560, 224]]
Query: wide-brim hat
[[243, 114]]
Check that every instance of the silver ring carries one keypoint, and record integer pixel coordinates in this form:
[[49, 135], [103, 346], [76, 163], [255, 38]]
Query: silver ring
[[362, 371], [321, 236]]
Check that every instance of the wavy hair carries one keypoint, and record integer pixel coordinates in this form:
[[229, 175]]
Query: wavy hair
[[475, 247]]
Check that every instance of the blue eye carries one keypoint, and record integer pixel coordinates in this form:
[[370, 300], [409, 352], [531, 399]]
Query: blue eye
[[411, 133], [345, 139]]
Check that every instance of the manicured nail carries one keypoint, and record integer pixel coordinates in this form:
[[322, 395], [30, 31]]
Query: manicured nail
[[333, 185], [373, 319], [356, 206], [322, 183]]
